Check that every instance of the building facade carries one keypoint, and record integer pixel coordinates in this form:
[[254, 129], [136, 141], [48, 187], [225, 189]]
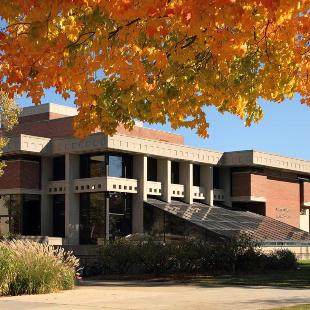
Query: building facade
[[143, 181]]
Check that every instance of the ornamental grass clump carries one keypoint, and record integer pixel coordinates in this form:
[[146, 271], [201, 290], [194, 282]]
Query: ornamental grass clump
[[28, 267]]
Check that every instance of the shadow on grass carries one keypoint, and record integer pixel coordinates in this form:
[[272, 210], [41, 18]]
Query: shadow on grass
[[299, 278]]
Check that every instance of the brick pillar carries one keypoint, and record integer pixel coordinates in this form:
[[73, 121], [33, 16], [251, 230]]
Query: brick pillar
[[164, 176], [206, 181], [186, 178], [72, 201], [46, 199], [139, 173]]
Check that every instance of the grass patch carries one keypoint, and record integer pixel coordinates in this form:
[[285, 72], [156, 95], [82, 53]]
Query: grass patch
[[299, 278], [300, 307]]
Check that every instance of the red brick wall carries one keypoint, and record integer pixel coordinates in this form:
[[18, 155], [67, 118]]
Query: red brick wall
[[241, 184], [21, 174], [57, 128], [63, 127], [258, 185], [152, 134], [40, 117], [283, 201], [306, 192], [282, 195]]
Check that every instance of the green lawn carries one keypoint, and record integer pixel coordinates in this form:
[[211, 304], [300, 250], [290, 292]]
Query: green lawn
[[299, 278]]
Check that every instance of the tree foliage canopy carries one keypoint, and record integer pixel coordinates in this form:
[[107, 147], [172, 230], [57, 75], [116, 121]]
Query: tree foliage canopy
[[9, 112], [156, 60]]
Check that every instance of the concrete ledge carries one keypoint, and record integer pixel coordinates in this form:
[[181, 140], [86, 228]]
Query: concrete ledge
[[248, 199], [44, 239]]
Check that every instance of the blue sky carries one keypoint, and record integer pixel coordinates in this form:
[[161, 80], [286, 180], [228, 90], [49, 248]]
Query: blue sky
[[284, 130]]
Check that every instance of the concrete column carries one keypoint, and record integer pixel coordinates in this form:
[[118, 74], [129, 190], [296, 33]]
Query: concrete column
[[72, 200], [139, 173], [164, 176], [186, 178], [206, 181], [46, 199], [225, 184]]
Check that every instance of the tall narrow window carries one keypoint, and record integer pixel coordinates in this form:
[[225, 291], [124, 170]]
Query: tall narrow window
[[59, 168], [175, 174], [196, 175], [59, 215], [92, 217], [119, 215], [151, 169], [216, 177]]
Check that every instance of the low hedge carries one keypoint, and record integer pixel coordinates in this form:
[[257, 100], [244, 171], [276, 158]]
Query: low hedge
[[148, 257], [28, 267]]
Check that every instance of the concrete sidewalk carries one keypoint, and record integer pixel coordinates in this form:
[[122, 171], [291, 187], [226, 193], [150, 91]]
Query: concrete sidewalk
[[148, 295]]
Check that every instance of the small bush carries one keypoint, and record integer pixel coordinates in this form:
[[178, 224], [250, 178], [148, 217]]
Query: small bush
[[150, 257], [31, 268], [281, 259]]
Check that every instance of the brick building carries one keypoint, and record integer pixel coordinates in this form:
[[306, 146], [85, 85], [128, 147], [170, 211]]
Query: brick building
[[143, 181]]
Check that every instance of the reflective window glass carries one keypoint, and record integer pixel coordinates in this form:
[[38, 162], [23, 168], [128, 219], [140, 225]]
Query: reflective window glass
[[119, 215], [92, 217], [97, 166], [115, 166]]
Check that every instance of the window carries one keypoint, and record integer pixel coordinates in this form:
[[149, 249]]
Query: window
[[59, 168], [162, 225], [115, 166], [59, 215], [92, 217], [151, 169], [216, 177], [175, 175], [100, 165], [196, 175], [119, 215], [31, 215], [92, 166], [94, 207], [20, 214]]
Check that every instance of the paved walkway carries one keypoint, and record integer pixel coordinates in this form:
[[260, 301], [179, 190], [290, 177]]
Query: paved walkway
[[159, 295]]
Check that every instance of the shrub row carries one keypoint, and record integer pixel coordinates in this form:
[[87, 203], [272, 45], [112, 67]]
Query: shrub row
[[149, 257], [31, 268]]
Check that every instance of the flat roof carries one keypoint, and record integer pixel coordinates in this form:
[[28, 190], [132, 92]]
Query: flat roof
[[49, 108]]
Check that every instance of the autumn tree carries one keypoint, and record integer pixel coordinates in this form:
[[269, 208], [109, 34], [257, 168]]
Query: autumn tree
[[9, 111], [156, 60]]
